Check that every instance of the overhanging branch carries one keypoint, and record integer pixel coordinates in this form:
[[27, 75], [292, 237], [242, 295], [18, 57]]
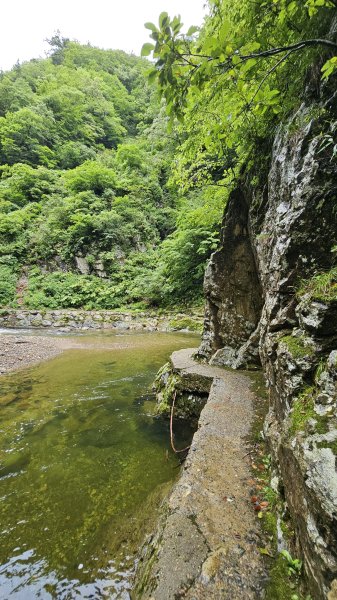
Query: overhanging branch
[[263, 54], [274, 51]]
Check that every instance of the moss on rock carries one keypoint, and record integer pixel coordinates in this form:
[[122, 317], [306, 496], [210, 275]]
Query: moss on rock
[[304, 409], [326, 444], [280, 586], [297, 346], [187, 323]]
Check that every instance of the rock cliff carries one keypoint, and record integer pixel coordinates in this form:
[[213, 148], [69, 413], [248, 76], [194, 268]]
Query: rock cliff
[[271, 299]]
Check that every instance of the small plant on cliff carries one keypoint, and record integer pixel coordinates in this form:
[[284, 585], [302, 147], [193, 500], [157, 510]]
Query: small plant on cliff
[[322, 286], [304, 409], [294, 564]]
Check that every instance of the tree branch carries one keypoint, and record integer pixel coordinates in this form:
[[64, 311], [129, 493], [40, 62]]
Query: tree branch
[[293, 47], [269, 73], [264, 53]]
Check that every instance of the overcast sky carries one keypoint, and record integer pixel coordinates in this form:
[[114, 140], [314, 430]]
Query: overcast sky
[[117, 24]]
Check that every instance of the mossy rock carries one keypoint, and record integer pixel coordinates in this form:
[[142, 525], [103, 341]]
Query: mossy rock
[[280, 586], [303, 409], [321, 287], [185, 323], [327, 444], [298, 347], [162, 376], [188, 404], [166, 391]]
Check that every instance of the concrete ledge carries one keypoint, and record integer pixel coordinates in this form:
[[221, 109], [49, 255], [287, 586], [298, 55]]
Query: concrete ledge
[[208, 547]]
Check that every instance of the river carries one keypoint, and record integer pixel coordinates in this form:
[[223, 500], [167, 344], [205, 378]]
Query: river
[[84, 466]]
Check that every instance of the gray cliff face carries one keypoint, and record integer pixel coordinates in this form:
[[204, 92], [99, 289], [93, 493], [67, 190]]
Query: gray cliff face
[[232, 287], [273, 237]]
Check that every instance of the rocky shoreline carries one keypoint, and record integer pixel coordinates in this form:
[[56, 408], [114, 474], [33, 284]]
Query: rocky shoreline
[[66, 320], [20, 351]]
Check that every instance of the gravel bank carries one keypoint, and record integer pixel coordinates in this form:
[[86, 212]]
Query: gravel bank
[[20, 351]]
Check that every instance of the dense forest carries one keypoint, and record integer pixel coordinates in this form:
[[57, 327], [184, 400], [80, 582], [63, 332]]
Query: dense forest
[[115, 170], [90, 215]]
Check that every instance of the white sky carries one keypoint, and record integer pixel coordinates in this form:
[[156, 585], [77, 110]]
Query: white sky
[[117, 24]]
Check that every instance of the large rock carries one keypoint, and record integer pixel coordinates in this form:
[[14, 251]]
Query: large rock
[[232, 287]]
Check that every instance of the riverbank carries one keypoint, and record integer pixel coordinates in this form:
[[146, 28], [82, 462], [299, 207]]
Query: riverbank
[[26, 349], [20, 351], [65, 320]]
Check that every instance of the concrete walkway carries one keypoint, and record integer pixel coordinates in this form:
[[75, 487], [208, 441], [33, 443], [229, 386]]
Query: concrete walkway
[[209, 548]]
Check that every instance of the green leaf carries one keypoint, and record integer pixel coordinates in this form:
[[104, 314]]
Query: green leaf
[[329, 67], [176, 24], [224, 32], [150, 26], [146, 49], [193, 29], [163, 19], [266, 551], [152, 75], [248, 65]]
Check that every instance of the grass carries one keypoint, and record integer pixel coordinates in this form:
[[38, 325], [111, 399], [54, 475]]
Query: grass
[[331, 445], [322, 286], [303, 410], [186, 323]]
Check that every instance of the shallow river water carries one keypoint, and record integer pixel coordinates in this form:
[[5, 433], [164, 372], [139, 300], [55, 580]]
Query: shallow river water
[[83, 467]]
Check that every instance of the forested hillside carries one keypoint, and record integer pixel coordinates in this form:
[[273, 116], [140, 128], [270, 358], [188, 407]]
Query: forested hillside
[[119, 176], [115, 170], [88, 211]]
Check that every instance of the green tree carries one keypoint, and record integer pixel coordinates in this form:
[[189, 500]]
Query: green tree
[[27, 136], [21, 183]]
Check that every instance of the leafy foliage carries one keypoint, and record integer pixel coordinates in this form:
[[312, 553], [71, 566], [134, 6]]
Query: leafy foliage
[[78, 180], [8, 279], [184, 253], [110, 197], [322, 286], [232, 83]]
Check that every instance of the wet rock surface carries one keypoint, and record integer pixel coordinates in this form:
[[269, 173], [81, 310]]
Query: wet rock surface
[[209, 546], [185, 381]]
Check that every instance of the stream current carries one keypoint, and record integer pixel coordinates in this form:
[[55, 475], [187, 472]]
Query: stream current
[[84, 466]]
